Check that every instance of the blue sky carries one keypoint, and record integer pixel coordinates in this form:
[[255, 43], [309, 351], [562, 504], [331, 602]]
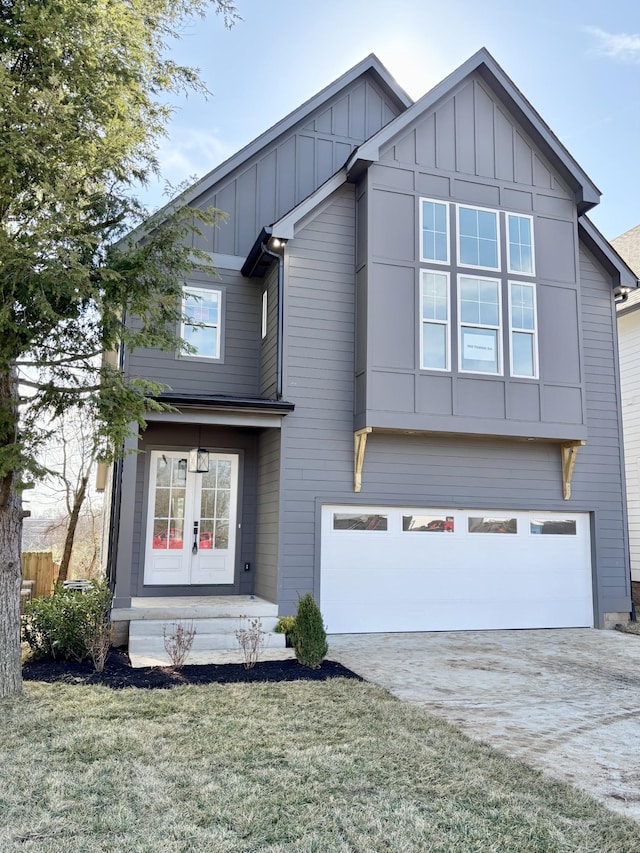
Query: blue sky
[[577, 62]]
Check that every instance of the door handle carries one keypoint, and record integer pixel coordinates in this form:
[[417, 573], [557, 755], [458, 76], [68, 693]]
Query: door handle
[[194, 550]]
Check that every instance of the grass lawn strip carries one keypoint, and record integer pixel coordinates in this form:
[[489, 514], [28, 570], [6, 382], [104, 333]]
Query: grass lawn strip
[[305, 766]]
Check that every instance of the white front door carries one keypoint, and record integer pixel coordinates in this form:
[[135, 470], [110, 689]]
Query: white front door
[[191, 521]]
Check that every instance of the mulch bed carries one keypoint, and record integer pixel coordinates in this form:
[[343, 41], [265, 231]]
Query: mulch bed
[[118, 673]]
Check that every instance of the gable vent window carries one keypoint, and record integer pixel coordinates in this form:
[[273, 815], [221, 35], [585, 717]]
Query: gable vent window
[[477, 311]]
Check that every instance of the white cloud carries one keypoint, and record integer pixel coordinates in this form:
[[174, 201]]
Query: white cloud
[[620, 46]]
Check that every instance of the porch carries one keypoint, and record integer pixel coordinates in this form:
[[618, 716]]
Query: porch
[[142, 627]]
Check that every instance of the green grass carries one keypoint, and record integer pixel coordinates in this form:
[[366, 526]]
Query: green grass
[[327, 766]]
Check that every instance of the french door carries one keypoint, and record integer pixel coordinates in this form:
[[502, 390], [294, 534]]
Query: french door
[[191, 520]]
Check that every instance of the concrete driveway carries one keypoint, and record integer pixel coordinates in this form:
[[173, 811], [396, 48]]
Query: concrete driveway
[[565, 701]]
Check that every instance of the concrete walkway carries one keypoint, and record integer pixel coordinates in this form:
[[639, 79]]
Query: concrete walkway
[[565, 701]]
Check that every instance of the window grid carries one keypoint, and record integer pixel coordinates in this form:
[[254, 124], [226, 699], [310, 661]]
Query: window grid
[[520, 251], [201, 325], [479, 313], [434, 231], [435, 337], [478, 237], [523, 335]]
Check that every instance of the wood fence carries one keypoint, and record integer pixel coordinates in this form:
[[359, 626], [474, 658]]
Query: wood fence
[[38, 566]]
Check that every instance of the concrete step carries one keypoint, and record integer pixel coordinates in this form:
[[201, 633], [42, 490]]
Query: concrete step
[[204, 657], [224, 625], [202, 642], [193, 607]]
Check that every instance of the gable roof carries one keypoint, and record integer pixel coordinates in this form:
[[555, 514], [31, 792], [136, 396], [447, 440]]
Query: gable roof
[[586, 192]]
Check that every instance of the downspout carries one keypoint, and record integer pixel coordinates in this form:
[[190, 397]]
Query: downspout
[[279, 344]]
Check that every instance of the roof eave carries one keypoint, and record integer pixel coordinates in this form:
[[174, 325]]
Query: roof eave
[[622, 274]]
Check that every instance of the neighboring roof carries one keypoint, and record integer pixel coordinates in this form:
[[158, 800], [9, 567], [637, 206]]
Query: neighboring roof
[[623, 275], [627, 245], [371, 64], [586, 192]]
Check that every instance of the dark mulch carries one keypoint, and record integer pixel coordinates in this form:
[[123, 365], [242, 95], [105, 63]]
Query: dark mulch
[[118, 673]]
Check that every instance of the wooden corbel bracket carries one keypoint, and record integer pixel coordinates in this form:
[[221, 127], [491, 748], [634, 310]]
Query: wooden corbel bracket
[[568, 451], [359, 446]]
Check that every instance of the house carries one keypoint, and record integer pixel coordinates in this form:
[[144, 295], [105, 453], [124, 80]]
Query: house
[[628, 247], [405, 378]]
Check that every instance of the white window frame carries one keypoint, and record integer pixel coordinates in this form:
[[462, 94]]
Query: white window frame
[[510, 269], [446, 323], [446, 206], [533, 332], [498, 328], [496, 213], [265, 300], [196, 290]]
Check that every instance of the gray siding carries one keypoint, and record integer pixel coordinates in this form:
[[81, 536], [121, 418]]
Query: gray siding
[[457, 153], [424, 470], [170, 436], [294, 165], [268, 514], [237, 372], [269, 346]]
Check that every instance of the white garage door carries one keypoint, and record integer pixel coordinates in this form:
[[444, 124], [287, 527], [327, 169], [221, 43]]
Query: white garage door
[[417, 569]]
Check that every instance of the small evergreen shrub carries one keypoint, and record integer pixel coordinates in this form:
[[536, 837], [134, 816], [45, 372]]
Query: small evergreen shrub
[[287, 626], [310, 637], [70, 624]]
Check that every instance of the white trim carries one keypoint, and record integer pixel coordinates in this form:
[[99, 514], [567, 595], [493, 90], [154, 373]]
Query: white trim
[[196, 290], [447, 323], [496, 213], [508, 242], [446, 206], [498, 328], [265, 309], [533, 332], [228, 418]]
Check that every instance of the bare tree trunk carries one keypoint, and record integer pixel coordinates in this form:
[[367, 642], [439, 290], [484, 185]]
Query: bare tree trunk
[[78, 500], [10, 542]]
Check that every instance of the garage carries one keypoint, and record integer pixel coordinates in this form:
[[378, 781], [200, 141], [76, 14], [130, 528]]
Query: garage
[[435, 569]]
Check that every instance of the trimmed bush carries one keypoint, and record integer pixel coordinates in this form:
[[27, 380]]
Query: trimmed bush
[[65, 626], [310, 637], [287, 626]]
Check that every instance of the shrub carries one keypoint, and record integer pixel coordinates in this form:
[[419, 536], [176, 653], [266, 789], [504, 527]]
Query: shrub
[[178, 645], [287, 626], [70, 624], [310, 637], [251, 639]]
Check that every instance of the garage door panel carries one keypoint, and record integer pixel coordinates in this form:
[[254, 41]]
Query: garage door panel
[[452, 579]]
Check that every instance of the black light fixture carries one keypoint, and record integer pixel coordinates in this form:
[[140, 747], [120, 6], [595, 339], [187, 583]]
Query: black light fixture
[[198, 461]]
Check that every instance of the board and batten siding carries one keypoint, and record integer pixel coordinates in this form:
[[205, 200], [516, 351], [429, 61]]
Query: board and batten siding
[[425, 470], [237, 371], [285, 172], [629, 337]]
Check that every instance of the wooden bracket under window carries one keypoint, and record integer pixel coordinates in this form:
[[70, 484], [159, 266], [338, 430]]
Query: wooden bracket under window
[[359, 445], [568, 451]]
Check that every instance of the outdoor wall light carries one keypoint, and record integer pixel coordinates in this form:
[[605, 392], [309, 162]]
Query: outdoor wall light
[[198, 461], [276, 243]]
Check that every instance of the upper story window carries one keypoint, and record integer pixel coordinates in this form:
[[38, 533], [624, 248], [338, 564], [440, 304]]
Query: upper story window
[[523, 331], [480, 313], [434, 231], [478, 241], [201, 325], [520, 244], [435, 335]]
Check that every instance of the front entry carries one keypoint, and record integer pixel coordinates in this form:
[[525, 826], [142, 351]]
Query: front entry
[[191, 521]]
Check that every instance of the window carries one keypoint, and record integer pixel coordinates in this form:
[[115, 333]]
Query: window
[[428, 523], [479, 311], [434, 339], [355, 521], [434, 243], [201, 324], [520, 244], [566, 527], [478, 244], [264, 313], [522, 311], [484, 524]]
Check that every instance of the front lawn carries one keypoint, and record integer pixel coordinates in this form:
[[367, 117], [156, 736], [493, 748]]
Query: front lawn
[[306, 766]]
